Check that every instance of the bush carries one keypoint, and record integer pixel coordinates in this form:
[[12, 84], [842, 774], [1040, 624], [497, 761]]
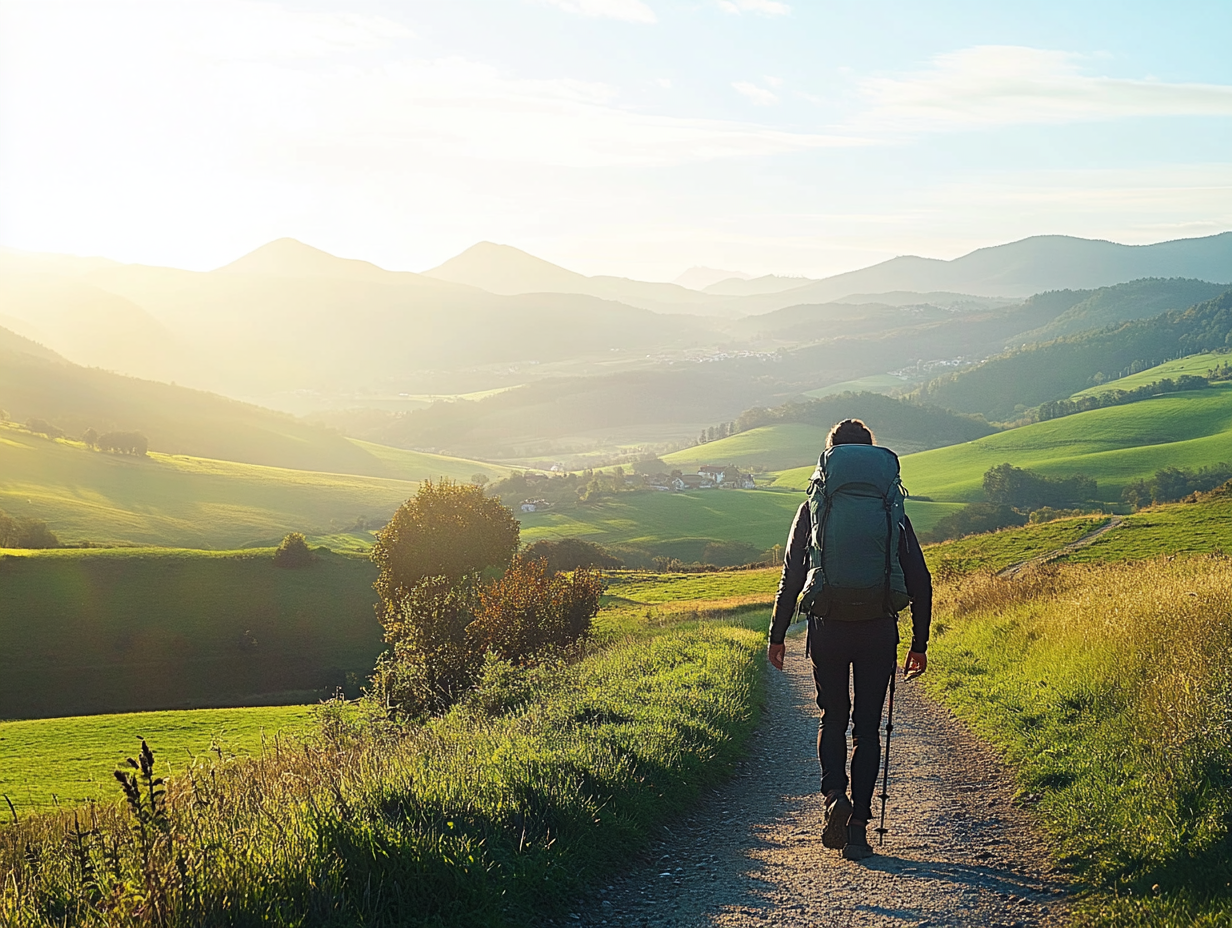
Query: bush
[[572, 553], [1170, 484], [1022, 489], [974, 519], [134, 443], [293, 551], [24, 532], [532, 610], [44, 428]]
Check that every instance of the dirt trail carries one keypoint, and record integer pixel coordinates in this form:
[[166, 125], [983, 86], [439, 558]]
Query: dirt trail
[[1014, 570], [959, 853]]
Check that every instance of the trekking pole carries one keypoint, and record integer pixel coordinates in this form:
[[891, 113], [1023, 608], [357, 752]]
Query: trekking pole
[[885, 772]]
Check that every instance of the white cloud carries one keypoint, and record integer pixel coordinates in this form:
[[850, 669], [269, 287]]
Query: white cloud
[[1006, 85], [630, 11], [765, 7], [759, 95]]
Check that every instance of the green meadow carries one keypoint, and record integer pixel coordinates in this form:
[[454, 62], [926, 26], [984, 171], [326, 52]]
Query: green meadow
[[1114, 445], [63, 761], [784, 444], [1195, 364], [111, 630]]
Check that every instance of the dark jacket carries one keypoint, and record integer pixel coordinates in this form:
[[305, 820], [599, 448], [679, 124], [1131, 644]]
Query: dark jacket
[[795, 571]]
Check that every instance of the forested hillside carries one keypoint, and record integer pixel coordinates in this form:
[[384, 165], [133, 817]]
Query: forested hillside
[[1005, 386]]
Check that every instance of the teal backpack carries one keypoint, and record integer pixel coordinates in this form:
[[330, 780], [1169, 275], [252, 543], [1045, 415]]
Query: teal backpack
[[856, 502]]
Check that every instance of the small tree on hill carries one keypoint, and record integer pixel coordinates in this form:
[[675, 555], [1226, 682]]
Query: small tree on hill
[[293, 551], [90, 437], [44, 428], [431, 555], [25, 532]]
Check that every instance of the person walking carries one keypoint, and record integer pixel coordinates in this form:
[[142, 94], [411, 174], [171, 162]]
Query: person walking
[[854, 556]]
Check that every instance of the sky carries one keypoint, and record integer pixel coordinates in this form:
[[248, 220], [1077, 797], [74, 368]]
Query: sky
[[628, 137]]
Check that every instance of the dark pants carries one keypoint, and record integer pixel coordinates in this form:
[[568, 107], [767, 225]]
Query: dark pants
[[866, 652]]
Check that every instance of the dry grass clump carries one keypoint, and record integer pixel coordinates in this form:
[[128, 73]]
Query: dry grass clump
[[1109, 685], [496, 813]]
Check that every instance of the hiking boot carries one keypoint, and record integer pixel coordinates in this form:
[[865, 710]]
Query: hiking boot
[[838, 813], [857, 847]]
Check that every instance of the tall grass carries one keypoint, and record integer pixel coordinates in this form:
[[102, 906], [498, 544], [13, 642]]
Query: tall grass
[[498, 813], [1109, 687]]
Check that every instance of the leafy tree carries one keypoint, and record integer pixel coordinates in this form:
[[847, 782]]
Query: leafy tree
[[90, 437], [532, 610], [293, 551], [134, 443], [25, 532], [570, 554], [44, 428], [1022, 489], [1171, 483], [479, 480], [430, 557]]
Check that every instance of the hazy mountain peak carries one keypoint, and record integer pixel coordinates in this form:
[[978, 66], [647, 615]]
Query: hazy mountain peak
[[753, 286], [288, 257], [507, 270], [699, 278]]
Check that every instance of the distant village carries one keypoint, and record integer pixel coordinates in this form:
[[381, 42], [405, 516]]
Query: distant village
[[707, 477]]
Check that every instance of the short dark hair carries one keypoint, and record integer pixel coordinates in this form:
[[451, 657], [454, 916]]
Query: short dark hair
[[850, 432]]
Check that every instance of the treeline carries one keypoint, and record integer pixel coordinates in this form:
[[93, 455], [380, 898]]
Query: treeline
[[1057, 409], [908, 421], [1012, 495], [1005, 387], [1172, 484], [25, 532]]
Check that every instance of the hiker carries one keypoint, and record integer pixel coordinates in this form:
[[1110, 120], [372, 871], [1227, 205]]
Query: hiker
[[865, 567]]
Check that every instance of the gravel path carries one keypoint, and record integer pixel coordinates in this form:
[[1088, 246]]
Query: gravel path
[[959, 853]]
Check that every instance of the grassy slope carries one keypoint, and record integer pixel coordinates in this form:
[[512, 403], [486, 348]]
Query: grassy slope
[[876, 383], [1114, 445], [997, 550], [784, 444], [86, 631], [179, 501], [69, 760], [1107, 687], [1195, 364]]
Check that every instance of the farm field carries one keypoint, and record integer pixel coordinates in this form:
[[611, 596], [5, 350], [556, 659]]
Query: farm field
[[875, 383], [98, 630], [1114, 445], [69, 760], [180, 501], [1194, 364]]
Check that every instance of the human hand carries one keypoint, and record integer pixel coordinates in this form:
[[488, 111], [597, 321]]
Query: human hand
[[916, 664], [774, 653]]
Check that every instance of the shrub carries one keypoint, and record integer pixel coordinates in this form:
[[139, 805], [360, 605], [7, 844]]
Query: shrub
[[25, 532], [572, 553], [1022, 489], [293, 551], [44, 428], [134, 443], [973, 519], [532, 610]]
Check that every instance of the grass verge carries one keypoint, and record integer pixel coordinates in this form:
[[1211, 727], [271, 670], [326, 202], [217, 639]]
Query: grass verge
[[487, 816], [1107, 687]]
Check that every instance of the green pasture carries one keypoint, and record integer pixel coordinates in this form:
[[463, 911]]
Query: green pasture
[[402, 464], [673, 524], [98, 630], [69, 760], [1114, 446], [784, 444], [1194, 364], [680, 525], [875, 383], [998, 550], [180, 501], [1165, 531]]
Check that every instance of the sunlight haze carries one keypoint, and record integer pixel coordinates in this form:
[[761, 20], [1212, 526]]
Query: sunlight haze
[[633, 138]]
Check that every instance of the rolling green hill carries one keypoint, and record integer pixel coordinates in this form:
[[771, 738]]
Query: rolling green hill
[[681, 525], [1138, 299], [181, 501], [1195, 365], [1114, 446], [773, 447], [34, 383], [87, 631]]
